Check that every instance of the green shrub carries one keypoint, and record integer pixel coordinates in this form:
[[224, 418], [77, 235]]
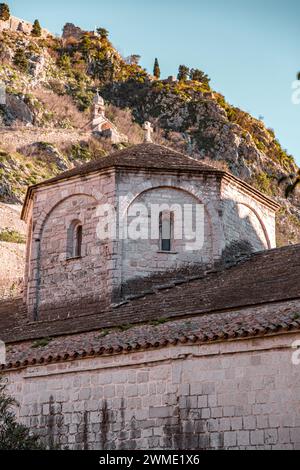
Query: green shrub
[[11, 236], [183, 73], [41, 343], [14, 436], [263, 182], [21, 61], [103, 33]]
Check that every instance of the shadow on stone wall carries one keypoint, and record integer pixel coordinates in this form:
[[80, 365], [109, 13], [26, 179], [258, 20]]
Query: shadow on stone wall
[[177, 427], [240, 247]]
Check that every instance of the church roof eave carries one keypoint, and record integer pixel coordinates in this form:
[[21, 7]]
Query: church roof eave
[[148, 157]]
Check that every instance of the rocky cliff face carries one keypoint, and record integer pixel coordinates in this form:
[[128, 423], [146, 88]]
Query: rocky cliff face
[[204, 125]]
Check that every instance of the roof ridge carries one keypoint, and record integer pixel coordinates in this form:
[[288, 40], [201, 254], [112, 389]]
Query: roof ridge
[[199, 162]]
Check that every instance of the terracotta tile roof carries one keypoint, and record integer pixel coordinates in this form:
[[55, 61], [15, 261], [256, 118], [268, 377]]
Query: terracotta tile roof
[[147, 156], [138, 156], [265, 278], [252, 322]]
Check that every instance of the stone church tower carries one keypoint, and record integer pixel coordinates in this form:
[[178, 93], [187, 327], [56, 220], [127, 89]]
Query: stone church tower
[[102, 126]]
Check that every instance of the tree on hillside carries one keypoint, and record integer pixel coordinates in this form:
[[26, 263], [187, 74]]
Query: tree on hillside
[[4, 12], [198, 76], [65, 62], [105, 70], [103, 33], [21, 60], [14, 436], [294, 182], [298, 76], [133, 59], [86, 45], [183, 73], [36, 29], [156, 69]]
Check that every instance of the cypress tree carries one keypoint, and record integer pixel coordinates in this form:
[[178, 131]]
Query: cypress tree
[[4, 12], [156, 70], [36, 29]]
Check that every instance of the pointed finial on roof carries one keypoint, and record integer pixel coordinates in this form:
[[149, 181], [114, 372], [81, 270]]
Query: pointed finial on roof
[[148, 132]]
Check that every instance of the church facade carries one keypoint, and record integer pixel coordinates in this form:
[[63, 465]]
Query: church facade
[[148, 338]]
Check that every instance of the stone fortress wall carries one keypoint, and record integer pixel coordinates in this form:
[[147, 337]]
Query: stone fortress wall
[[17, 25], [12, 254]]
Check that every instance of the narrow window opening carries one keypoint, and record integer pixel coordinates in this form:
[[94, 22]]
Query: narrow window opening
[[78, 242], [166, 230], [74, 241]]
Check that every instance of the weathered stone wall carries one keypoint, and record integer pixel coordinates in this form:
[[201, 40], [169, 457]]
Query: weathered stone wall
[[12, 255], [12, 262], [17, 25], [246, 219], [235, 222], [232, 395], [143, 257], [17, 138], [230, 221], [55, 280]]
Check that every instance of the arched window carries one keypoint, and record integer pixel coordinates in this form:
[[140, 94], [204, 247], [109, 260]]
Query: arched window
[[166, 222], [74, 240]]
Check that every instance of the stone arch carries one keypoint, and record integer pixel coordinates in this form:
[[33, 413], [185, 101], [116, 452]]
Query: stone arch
[[96, 195], [218, 242], [261, 223], [142, 258]]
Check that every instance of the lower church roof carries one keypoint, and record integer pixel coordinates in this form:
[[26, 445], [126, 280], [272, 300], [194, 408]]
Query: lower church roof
[[258, 296]]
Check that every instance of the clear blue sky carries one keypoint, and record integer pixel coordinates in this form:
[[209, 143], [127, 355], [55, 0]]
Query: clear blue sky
[[250, 49]]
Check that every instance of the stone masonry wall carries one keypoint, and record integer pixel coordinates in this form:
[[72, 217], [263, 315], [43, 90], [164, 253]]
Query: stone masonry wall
[[247, 219], [143, 257], [112, 267], [12, 255], [234, 222], [55, 280], [17, 138], [232, 395], [17, 25]]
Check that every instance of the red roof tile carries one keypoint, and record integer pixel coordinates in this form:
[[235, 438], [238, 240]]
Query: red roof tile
[[251, 322]]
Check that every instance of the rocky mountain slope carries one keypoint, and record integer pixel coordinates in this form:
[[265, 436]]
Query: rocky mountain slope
[[45, 122]]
